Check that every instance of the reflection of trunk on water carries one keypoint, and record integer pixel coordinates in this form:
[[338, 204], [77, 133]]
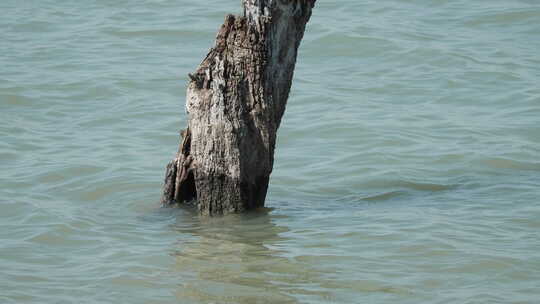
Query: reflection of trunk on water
[[239, 258]]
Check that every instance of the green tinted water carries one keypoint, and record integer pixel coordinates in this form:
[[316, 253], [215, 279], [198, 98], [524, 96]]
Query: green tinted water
[[406, 170]]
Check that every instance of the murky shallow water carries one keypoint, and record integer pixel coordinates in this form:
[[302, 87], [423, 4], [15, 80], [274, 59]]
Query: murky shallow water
[[406, 170]]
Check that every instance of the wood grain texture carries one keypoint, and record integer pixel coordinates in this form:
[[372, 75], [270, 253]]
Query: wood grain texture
[[235, 101]]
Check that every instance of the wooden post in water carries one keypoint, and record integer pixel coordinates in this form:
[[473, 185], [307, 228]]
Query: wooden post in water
[[235, 101]]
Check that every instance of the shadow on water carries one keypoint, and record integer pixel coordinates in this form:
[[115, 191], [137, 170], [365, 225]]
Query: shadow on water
[[239, 259]]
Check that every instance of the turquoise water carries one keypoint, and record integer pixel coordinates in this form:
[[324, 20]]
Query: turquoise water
[[407, 167]]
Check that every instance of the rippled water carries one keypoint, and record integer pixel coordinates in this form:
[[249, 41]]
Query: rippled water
[[407, 166]]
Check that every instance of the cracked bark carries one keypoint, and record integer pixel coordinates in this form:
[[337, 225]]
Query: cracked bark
[[235, 101]]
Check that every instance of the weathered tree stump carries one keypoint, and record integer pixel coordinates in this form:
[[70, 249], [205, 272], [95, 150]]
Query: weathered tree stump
[[235, 101]]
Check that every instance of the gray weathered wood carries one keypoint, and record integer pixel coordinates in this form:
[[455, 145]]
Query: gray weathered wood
[[235, 102]]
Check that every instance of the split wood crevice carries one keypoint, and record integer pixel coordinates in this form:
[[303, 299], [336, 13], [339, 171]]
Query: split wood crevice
[[235, 102]]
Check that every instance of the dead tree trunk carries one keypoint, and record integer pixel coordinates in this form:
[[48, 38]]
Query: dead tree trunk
[[235, 101]]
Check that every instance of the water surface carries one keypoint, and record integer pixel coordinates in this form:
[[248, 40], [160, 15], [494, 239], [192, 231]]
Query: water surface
[[407, 166]]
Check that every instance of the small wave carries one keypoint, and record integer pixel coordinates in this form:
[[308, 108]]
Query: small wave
[[16, 100], [504, 163], [383, 196], [400, 185], [153, 33], [385, 190], [505, 17], [340, 44], [432, 187]]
